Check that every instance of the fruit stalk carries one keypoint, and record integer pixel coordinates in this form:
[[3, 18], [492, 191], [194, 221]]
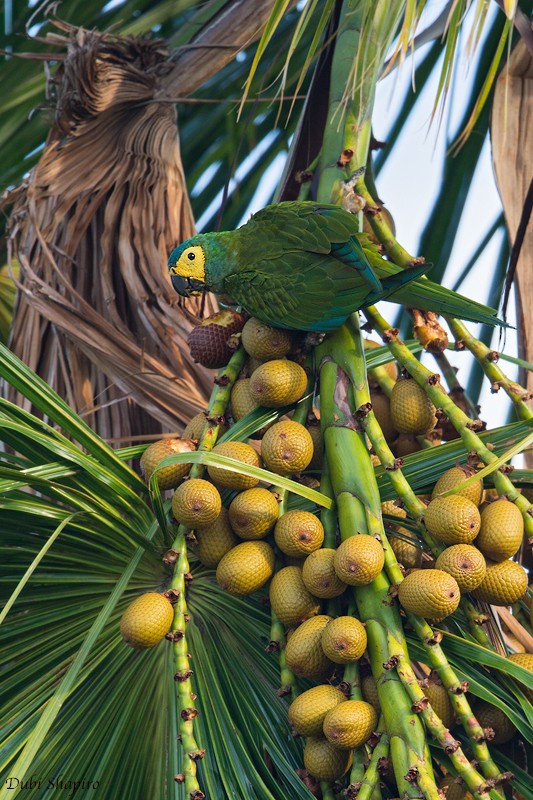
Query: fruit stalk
[[487, 359], [353, 490], [371, 776], [186, 706]]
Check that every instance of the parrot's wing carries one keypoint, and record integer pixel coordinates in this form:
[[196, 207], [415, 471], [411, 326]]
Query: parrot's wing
[[312, 228]]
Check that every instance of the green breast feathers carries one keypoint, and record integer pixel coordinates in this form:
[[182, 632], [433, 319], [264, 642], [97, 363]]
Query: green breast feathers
[[304, 266]]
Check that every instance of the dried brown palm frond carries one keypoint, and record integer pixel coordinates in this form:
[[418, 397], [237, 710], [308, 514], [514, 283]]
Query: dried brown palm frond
[[92, 227]]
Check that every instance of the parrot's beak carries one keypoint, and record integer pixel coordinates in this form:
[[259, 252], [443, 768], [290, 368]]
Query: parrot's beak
[[186, 286]]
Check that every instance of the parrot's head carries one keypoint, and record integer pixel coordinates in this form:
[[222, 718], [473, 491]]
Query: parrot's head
[[186, 266]]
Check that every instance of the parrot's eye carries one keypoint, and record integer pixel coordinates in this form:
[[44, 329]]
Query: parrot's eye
[[191, 263], [191, 256]]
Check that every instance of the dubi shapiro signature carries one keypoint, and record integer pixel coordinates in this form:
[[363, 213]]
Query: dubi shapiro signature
[[71, 787]]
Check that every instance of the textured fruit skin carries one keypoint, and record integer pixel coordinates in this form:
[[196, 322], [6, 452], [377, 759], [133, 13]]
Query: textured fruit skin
[[429, 593], [369, 690], [209, 342], [455, 476], [490, 716], [195, 427], [410, 555], [196, 503], [359, 560], [465, 563], [324, 761], [215, 540], [232, 480], [390, 367], [146, 620], [253, 513], [524, 660], [381, 408], [307, 712], [245, 568], [440, 701], [168, 477], [411, 409], [319, 576], [344, 640], [304, 652], [298, 533], [453, 790], [350, 724], [287, 447], [264, 342], [278, 383], [406, 444], [453, 520], [502, 530], [290, 600], [504, 583]]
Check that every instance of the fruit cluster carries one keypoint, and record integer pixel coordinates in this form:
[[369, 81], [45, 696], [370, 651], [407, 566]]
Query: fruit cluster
[[244, 530]]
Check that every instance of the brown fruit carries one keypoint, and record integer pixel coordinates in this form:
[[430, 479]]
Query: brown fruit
[[390, 367], [167, 477], [233, 480], [253, 513], [406, 444], [381, 408], [411, 409], [287, 447], [211, 342], [359, 560], [491, 718], [455, 789]]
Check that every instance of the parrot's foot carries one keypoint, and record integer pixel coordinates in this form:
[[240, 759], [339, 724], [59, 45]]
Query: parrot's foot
[[312, 339]]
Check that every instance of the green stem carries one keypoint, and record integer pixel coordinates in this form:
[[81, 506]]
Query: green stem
[[372, 776]]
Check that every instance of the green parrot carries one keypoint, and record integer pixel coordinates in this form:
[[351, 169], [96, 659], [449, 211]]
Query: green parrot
[[304, 266]]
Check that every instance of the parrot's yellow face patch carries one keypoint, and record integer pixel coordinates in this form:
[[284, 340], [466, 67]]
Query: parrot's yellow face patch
[[191, 264]]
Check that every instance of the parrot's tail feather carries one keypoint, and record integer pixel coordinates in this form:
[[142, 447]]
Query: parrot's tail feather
[[429, 296], [395, 282]]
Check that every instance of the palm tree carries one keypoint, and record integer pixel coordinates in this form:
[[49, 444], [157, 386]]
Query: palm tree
[[83, 535]]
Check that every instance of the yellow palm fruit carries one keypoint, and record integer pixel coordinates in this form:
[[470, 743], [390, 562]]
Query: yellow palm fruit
[[319, 576], [298, 533], [287, 447], [410, 555], [278, 383], [455, 476], [350, 724], [265, 342], [369, 690], [196, 503], [215, 540], [502, 530], [454, 790], [359, 560], [253, 513], [453, 520], [406, 444], [324, 761], [318, 444], [390, 367], [440, 701], [232, 480], [504, 583], [429, 593], [524, 660], [146, 620], [381, 408], [491, 717], [290, 600], [303, 653], [167, 477], [246, 567], [195, 427], [465, 563], [344, 640], [411, 409], [242, 402], [307, 712]]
